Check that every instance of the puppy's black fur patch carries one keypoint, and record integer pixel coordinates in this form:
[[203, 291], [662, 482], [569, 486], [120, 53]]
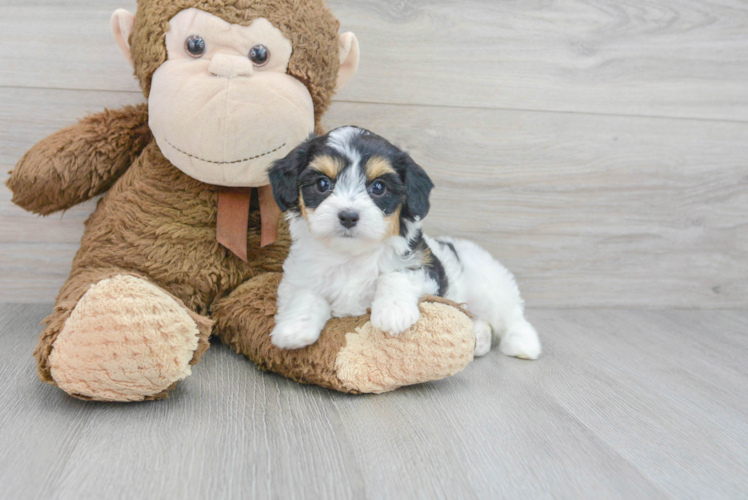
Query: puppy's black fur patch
[[418, 187], [412, 185], [451, 247], [284, 175], [430, 262], [312, 196], [394, 196]]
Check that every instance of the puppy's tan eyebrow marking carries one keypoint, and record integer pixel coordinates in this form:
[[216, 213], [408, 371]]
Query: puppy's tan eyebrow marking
[[377, 167], [328, 165]]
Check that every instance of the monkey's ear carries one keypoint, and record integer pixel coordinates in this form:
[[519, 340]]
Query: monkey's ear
[[122, 23], [349, 58], [418, 187], [284, 176]]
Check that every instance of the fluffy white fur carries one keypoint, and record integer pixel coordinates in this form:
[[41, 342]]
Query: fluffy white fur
[[491, 295], [332, 271]]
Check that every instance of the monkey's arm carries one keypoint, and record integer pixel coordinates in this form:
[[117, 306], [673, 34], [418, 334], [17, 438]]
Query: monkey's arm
[[80, 161], [350, 355]]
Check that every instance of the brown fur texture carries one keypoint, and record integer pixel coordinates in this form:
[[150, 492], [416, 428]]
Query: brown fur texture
[[81, 161], [159, 225], [350, 356], [313, 365], [311, 27]]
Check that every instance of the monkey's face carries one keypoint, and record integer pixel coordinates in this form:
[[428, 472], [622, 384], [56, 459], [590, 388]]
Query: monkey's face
[[222, 107]]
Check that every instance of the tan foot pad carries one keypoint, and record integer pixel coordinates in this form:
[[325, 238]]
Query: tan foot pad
[[126, 340], [439, 345]]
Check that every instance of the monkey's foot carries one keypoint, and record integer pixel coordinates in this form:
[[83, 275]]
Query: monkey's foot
[[350, 354], [439, 345], [126, 340]]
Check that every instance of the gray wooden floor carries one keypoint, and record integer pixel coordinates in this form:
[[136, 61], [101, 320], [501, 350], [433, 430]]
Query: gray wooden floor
[[625, 404]]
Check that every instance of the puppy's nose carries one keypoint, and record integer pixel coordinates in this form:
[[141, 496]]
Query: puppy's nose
[[348, 218]]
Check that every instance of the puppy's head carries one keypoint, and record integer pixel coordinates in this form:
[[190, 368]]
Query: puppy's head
[[353, 187]]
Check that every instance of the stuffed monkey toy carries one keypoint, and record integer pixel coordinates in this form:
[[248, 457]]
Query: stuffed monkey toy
[[188, 242]]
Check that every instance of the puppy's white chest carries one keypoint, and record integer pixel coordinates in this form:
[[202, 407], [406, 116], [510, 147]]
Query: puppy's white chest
[[350, 288], [347, 283]]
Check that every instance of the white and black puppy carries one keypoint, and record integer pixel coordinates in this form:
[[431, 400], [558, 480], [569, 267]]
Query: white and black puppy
[[355, 207]]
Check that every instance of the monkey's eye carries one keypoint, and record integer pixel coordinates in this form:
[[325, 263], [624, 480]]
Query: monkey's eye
[[323, 185], [195, 46], [377, 189], [259, 55]]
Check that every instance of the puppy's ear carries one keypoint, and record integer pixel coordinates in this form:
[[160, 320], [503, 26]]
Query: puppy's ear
[[418, 187], [284, 176]]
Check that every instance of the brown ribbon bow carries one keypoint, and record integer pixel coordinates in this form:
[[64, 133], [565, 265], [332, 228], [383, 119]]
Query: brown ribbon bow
[[233, 218]]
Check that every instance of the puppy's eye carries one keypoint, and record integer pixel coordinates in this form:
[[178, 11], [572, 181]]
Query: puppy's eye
[[195, 46], [323, 185], [377, 189], [259, 55]]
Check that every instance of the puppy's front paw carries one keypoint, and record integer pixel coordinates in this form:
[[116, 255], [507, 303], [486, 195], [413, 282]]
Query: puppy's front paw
[[294, 334], [394, 317]]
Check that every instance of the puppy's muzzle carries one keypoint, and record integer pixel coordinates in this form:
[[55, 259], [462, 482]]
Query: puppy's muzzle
[[348, 218]]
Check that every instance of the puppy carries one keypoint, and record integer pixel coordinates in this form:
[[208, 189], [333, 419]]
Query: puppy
[[355, 207]]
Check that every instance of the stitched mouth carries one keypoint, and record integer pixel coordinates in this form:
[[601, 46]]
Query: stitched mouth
[[225, 162]]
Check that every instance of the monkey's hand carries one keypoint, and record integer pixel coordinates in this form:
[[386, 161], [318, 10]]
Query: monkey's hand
[[80, 161]]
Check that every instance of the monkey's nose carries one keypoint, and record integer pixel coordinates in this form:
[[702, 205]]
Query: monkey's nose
[[228, 66], [348, 218]]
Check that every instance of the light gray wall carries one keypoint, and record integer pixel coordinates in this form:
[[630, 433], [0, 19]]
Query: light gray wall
[[600, 150]]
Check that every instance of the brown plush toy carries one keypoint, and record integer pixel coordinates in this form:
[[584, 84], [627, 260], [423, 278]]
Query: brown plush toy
[[181, 247]]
